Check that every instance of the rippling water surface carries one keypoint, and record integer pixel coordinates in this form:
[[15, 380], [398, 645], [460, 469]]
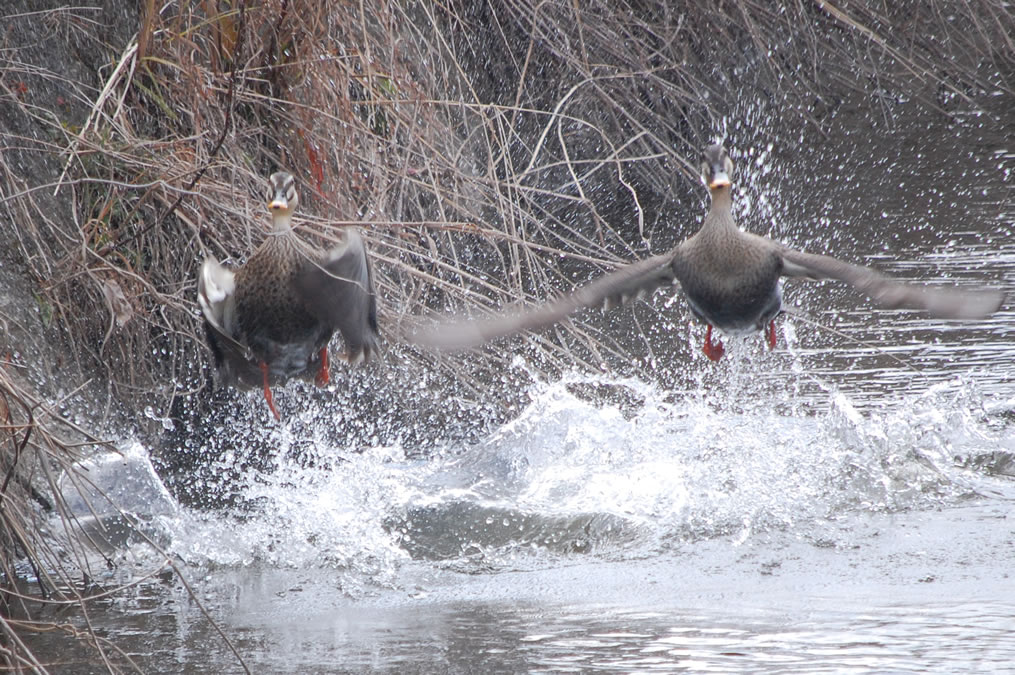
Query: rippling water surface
[[653, 533], [841, 504]]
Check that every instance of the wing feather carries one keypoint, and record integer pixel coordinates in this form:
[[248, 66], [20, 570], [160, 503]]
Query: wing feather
[[339, 291], [630, 282], [939, 301]]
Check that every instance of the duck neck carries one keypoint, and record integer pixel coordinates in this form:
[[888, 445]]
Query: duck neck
[[281, 222], [720, 213]]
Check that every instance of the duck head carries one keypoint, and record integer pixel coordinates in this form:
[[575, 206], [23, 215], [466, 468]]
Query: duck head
[[716, 167], [282, 198]]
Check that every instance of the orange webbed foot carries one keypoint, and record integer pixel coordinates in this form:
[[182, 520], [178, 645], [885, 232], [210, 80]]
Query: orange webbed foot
[[267, 392], [323, 377], [770, 334], [713, 350]]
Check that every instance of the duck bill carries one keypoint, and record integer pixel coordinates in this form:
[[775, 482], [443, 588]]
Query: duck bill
[[278, 204], [719, 180]]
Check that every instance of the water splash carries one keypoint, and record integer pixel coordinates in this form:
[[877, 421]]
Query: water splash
[[594, 466], [675, 471]]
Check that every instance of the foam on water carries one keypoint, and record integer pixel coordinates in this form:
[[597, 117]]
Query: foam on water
[[573, 474], [686, 469]]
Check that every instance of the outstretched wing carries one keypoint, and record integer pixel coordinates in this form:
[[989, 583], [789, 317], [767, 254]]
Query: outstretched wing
[[215, 288], [632, 281], [946, 303], [339, 291], [235, 360]]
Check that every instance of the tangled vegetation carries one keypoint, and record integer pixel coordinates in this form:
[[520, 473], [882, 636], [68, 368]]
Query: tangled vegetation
[[492, 153]]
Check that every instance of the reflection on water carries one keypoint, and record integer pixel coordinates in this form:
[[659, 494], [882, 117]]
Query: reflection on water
[[654, 534], [885, 639], [291, 628], [841, 504]]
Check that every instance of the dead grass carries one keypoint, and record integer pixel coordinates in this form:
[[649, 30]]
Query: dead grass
[[492, 153], [36, 453], [46, 540]]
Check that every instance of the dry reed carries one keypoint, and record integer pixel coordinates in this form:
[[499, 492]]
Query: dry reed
[[493, 153]]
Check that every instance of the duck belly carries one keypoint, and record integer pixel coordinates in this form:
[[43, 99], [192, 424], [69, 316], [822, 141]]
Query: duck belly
[[737, 311]]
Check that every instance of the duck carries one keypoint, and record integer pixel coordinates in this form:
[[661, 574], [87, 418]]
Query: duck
[[731, 279], [272, 318]]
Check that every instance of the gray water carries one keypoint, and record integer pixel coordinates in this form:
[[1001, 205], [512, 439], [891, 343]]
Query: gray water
[[840, 504], [675, 534]]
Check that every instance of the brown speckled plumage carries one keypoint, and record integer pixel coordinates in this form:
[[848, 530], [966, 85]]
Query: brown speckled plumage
[[731, 279], [270, 313], [273, 318]]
